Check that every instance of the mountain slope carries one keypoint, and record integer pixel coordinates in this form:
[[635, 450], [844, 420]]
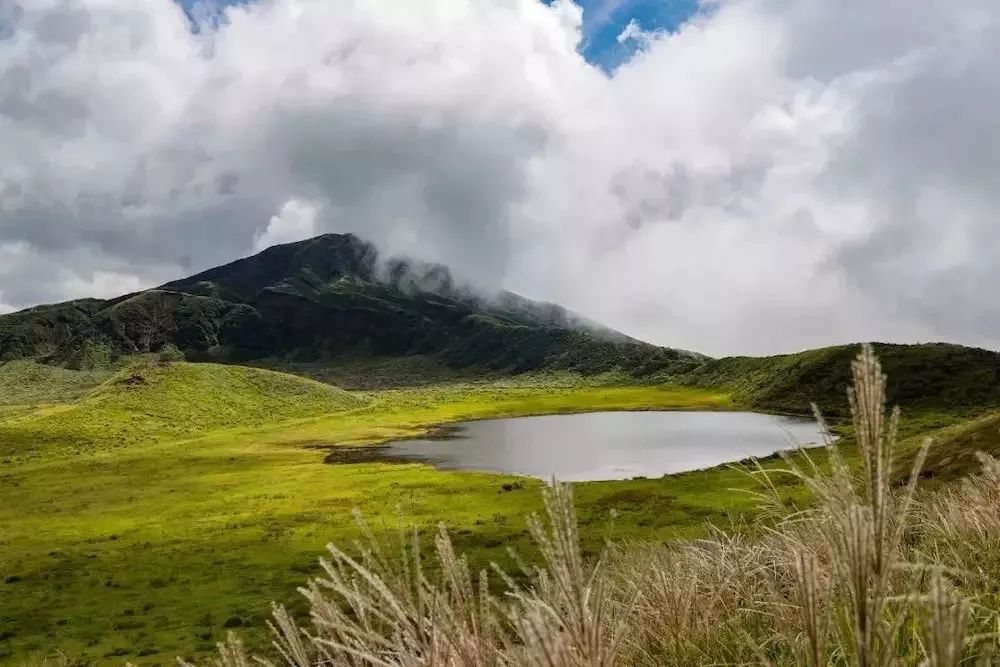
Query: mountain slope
[[323, 298], [935, 375]]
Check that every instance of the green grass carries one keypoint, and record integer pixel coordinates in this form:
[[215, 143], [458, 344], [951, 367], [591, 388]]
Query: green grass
[[145, 519], [933, 377], [953, 452], [145, 548], [26, 383], [146, 402], [380, 373], [375, 373]]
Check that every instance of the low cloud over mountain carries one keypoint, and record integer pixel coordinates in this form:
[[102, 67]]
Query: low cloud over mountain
[[775, 174]]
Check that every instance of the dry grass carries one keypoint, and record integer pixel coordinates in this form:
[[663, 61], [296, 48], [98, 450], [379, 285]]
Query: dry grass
[[869, 575]]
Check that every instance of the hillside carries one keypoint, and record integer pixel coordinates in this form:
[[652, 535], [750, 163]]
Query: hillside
[[955, 451], [26, 383], [322, 299], [147, 401], [933, 376]]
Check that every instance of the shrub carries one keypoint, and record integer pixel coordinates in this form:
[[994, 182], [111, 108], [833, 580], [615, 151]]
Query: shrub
[[170, 353]]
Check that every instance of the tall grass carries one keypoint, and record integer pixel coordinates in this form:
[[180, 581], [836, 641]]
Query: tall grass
[[869, 575]]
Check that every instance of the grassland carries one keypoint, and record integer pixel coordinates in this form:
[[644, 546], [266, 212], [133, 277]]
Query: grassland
[[864, 576], [145, 401], [144, 518], [140, 519]]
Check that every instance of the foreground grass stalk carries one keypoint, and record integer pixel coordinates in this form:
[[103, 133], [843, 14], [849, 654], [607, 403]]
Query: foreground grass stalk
[[861, 528], [946, 625]]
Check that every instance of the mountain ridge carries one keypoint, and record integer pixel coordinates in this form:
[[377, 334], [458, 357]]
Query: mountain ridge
[[320, 299]]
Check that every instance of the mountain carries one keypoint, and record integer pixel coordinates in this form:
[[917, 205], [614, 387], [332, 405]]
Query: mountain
[[324, 298]]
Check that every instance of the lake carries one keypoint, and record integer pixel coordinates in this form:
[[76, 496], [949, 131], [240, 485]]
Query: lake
[[604, 445]]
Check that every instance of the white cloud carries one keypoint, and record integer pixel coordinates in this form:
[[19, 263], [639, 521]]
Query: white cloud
[[102, 285], [632, 31], [294, 222], [777, 174], [634, 34]]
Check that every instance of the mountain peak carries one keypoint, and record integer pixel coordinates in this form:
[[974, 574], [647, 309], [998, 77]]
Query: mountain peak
[[325, 297]]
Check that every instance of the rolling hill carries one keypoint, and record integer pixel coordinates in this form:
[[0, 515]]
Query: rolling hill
[[147, 401], [935, 376], [324, 298]]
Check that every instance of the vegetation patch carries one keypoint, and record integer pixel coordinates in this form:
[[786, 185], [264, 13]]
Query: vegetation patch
[[188, 533]]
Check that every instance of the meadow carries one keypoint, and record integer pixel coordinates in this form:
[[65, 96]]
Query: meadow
[[139, 522], [875, 570], [149, 510]]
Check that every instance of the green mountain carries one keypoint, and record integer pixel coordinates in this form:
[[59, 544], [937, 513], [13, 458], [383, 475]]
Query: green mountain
[[332, 299], [936, 376], [323, 299]]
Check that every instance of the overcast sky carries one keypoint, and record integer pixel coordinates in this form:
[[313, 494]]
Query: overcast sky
[[740, 176]]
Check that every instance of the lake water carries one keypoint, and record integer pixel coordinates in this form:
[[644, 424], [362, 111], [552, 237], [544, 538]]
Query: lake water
[[607, 445]]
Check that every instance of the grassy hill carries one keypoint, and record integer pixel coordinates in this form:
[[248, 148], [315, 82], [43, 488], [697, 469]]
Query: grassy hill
[[148, 401], [26, 383], [955, 450], [934, 377]]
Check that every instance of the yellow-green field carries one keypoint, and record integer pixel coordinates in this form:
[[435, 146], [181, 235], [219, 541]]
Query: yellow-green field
[[147, 511], [140, 518]]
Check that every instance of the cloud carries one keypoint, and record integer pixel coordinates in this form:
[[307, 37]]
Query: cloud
[[294, 222], [631, 32], [774, 175], [30, 275]]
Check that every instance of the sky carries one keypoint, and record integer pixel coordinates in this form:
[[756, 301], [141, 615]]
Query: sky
[[603, 23], [729, 176]]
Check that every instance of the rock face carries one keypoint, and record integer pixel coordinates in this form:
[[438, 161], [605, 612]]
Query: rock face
[[323, 298]]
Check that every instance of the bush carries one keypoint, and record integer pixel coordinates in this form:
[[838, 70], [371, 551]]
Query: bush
[[170, 353]]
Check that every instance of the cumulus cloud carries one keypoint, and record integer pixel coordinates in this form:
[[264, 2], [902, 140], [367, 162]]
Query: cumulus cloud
[[294, 222], [774, 175]]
